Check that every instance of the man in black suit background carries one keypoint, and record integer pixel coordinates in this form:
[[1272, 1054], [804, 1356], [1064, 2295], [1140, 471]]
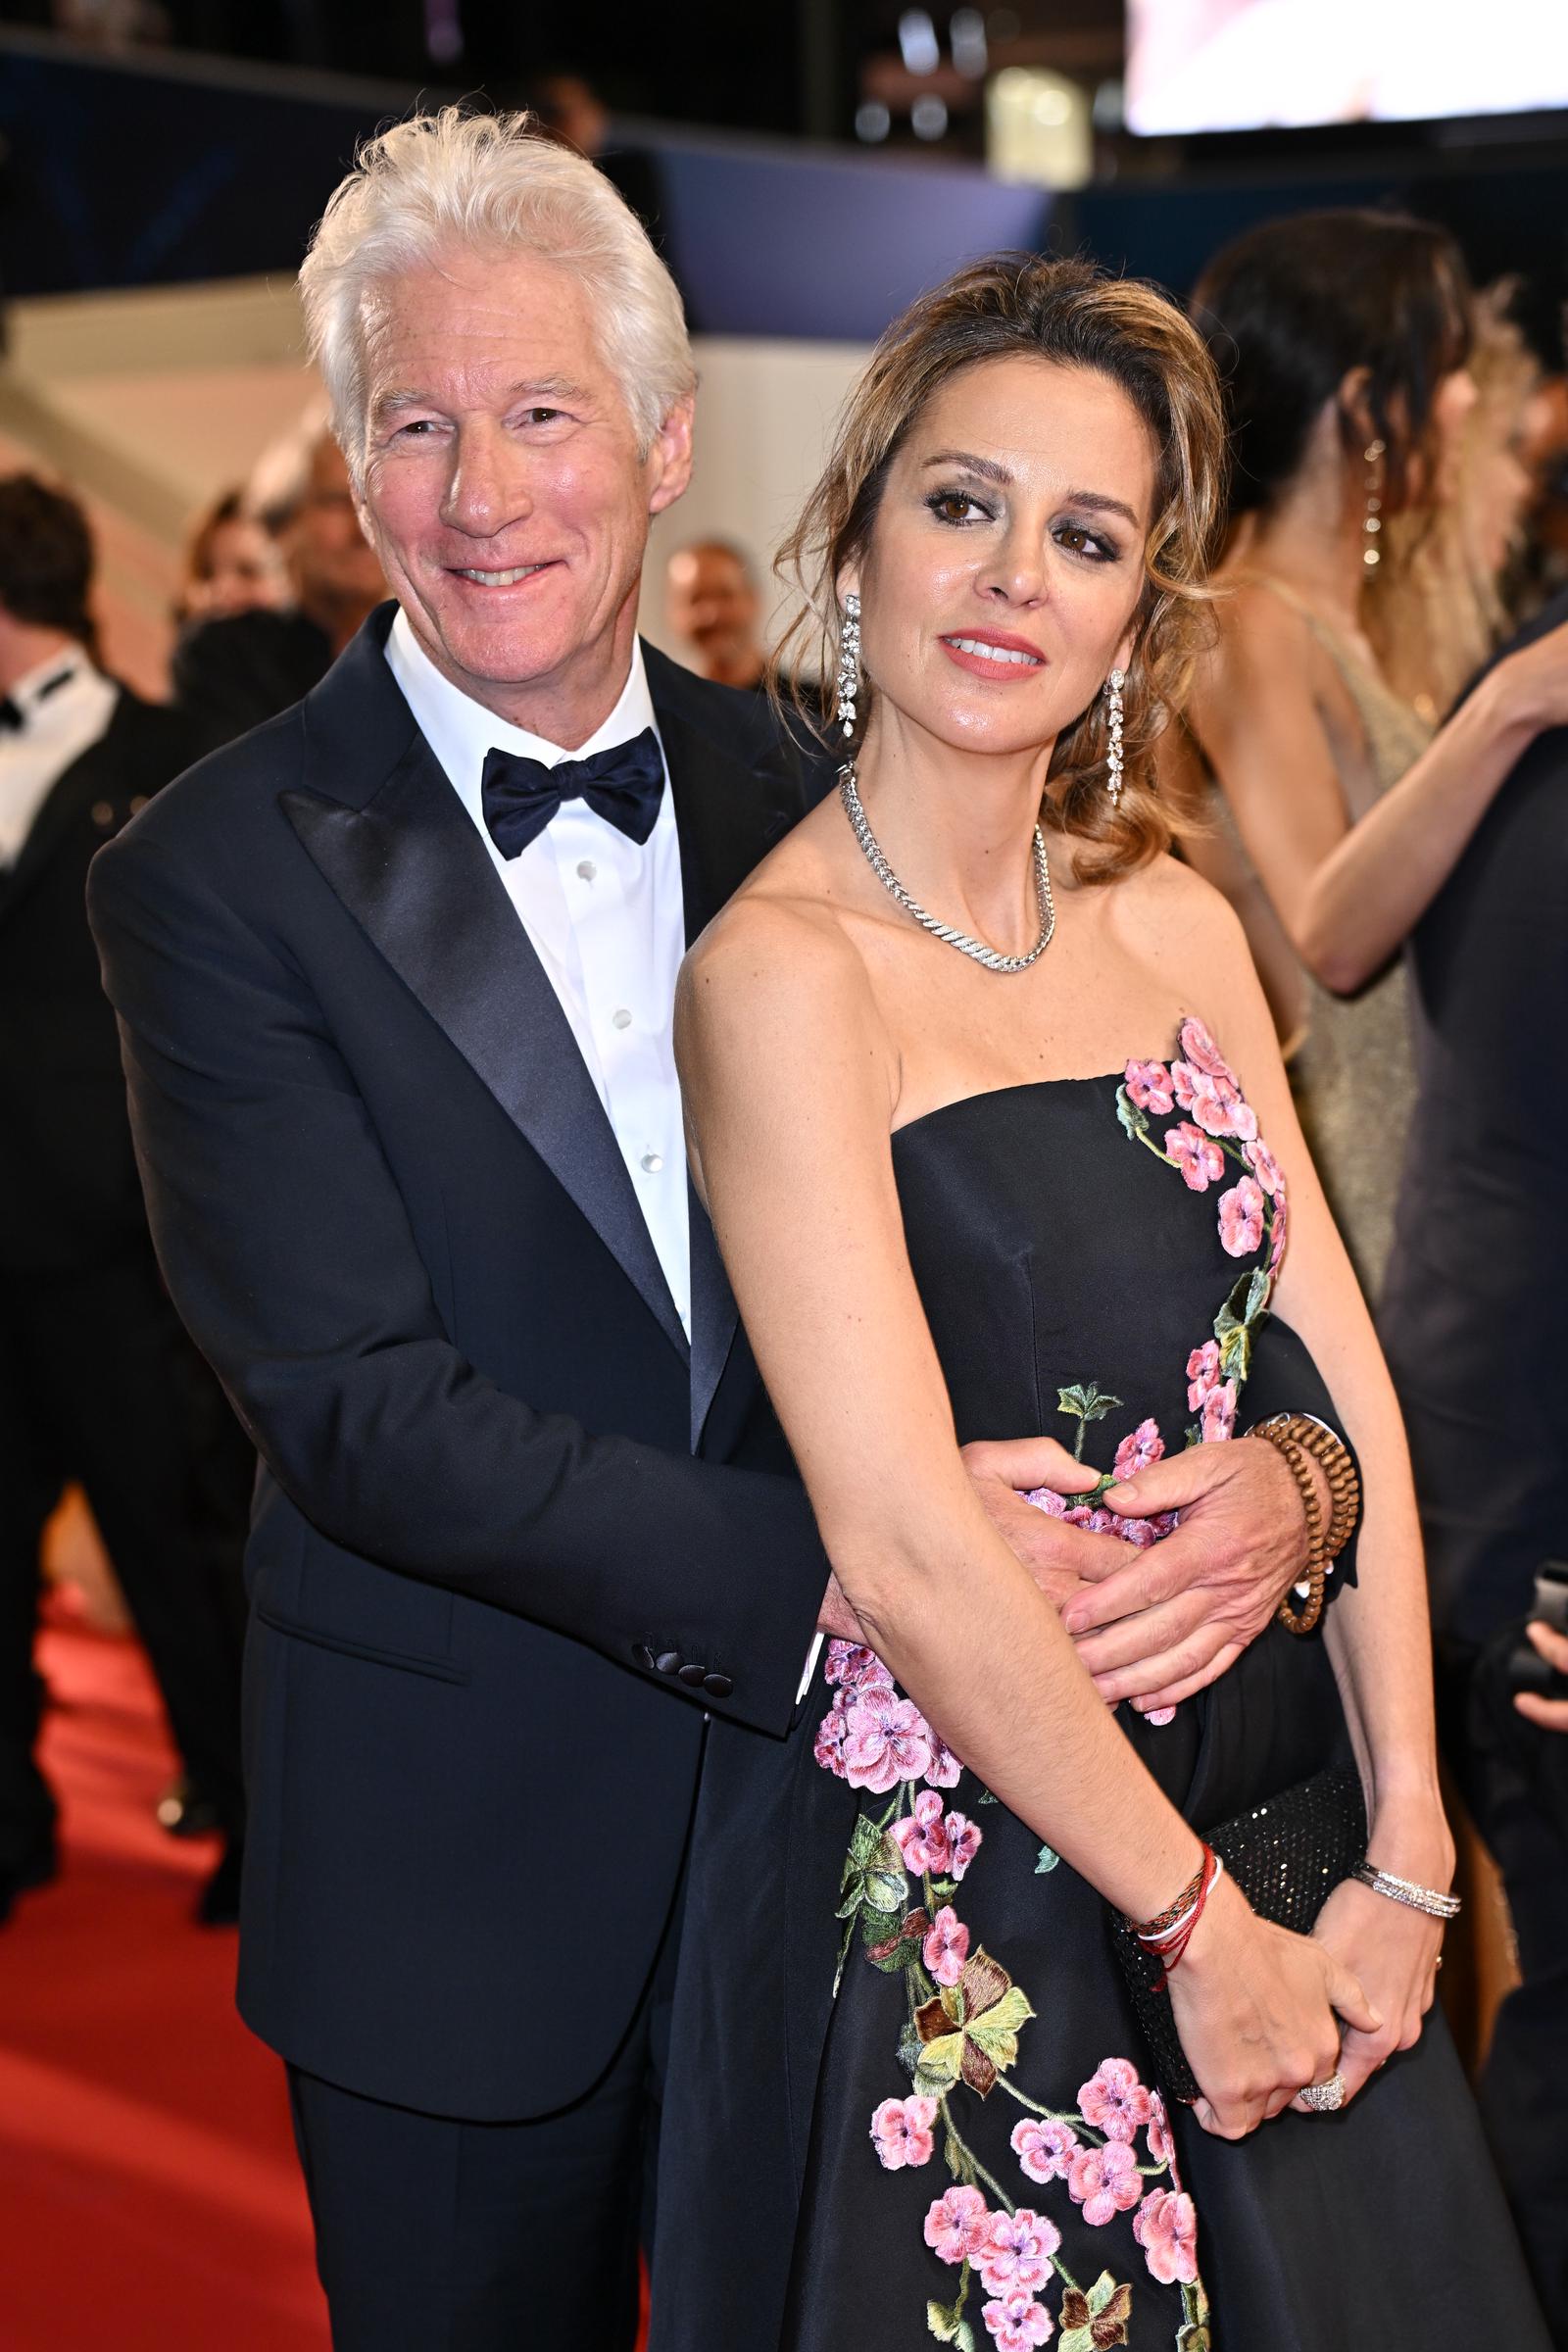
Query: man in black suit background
[[98, 1382], [395, 979], [1475, 1323], [233, 672]]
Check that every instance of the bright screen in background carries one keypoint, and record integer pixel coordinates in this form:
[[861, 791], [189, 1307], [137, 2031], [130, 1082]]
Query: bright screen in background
[[1259, 65]]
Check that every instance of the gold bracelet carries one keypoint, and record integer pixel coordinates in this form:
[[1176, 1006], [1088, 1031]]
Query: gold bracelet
[[1334, 1460], [1295, 1458]]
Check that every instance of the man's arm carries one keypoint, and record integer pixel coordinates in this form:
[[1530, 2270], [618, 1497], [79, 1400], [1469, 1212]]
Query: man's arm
[[287, 1250]]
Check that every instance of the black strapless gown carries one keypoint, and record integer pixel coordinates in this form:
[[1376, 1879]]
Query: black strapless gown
[[964, 2142]]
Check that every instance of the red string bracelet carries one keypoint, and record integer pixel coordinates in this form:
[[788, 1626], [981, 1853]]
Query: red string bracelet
[[1168, 1936]]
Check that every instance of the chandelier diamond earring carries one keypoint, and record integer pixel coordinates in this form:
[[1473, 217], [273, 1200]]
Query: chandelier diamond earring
[[1115, 713], [1372, 520], [849, 663]]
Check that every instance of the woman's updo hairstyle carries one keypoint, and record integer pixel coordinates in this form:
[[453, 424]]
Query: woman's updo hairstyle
[[1289, 310], [1022, 305]]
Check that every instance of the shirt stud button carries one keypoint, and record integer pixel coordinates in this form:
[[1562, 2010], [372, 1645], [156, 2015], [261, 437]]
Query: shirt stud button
[[620, 1019], [652, 1161], [586, 868]]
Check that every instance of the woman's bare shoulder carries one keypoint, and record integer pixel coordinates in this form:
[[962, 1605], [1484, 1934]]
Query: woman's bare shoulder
[[780, 948], [1177, 911]]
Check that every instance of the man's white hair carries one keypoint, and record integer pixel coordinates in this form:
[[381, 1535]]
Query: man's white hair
[[489, 183]]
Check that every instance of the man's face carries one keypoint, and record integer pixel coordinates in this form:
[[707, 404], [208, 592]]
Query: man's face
[[334, 568], [504, 488], [713, 604]]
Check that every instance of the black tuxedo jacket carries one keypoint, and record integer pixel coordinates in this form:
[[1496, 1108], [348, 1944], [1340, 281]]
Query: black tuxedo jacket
[[69, 1194], [1475, 1312], [492, 1590]]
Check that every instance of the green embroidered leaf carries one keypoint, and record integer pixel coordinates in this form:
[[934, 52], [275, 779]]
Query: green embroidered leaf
[[948, 2326], [940, 2065], [877, 1926], [985, 1797], [900, 1948], [1048, 1858], [1134, 1121], [1192, 2338], [1195, 1434], [1239, 1321], [1093, 2322], [874, 1875], [1086, 1400], [996, 2030], [909, 2051]]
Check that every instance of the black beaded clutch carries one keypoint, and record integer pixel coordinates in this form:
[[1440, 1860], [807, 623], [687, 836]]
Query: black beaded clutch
[[1287, 1856]]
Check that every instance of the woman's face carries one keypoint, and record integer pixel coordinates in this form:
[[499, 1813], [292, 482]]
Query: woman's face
[[1007, 557]]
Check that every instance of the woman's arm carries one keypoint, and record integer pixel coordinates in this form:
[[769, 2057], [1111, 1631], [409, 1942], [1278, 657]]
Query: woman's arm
[[1350, 896], [1377, 1630], [791, 1082]]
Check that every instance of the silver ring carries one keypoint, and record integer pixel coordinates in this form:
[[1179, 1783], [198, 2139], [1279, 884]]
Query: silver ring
[[1324, 2097]]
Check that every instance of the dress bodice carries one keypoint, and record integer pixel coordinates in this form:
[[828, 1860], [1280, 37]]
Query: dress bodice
[[1095, 1257]]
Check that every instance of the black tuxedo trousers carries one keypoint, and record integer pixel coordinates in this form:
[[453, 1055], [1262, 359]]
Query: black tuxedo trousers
[[514, 1536]]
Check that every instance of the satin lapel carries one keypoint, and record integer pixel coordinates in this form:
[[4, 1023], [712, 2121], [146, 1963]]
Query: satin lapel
[[734, 797], [411, 870]]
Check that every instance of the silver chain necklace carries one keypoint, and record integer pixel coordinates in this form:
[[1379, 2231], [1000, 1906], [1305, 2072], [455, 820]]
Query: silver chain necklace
[[848, 794]]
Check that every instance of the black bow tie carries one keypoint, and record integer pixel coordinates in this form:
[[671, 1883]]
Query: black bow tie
[[623, 785]]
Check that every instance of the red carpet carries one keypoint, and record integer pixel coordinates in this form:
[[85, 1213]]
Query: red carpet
[[147, 2178]]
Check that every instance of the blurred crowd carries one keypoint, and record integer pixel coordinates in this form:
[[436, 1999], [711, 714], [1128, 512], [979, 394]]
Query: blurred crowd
[[1373, 769]]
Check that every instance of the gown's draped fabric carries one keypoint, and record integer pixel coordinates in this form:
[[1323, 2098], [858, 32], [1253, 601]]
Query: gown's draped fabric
[[964, 2141]]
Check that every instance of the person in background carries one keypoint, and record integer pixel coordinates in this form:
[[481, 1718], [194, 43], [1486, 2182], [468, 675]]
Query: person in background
[[714, 607], [231, 673], [569, 109], [1342, 339], [1436, 605], [1473, 1321], [98, 1382], [232, 565]]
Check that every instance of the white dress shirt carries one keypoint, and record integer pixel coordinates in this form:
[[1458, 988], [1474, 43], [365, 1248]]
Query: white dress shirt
[[605, 918], [66, 706]]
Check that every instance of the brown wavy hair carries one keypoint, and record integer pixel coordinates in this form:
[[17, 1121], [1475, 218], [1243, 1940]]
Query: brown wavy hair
[[1074, 315]]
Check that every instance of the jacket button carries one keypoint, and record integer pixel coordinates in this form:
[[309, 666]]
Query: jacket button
[[717, 1685], [693, 1674], [668, 1661], [643, 1655]]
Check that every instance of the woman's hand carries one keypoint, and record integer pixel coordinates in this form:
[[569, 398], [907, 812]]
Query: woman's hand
[[1259, 2012], [1392, 1949]]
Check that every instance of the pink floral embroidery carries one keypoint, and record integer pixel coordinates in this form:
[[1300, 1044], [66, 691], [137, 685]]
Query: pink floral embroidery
[[1046, 1500], [1159, 1716], [1219, 1415], [1104, 2182], [1200, 1161], [922, 1838], [1018, 2323], [1165, 2225], [947, 1946], [944, 1770], [855, 1668], [829, 1747], [1264, 1166], [1281, 1226], [1198, 1048], [1044, 2148], [1202, 1374], [1240, 1217], [1113, 2100], [1017, 2252], [901, 2132], [1216, 1104], [1161, 2139], [963, 1842], [958, 2225], [888, 1740], [1148, 1086], [1141, 1447]]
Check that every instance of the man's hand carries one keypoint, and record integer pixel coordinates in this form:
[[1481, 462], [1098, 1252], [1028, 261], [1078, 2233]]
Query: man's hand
[[1182, 1611], [1551, 1714], [1062, 1561]]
